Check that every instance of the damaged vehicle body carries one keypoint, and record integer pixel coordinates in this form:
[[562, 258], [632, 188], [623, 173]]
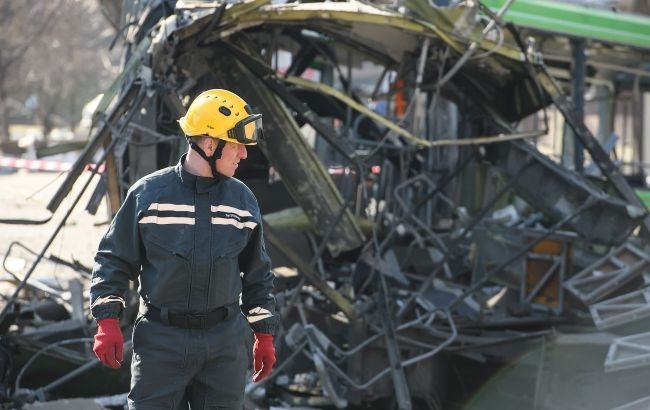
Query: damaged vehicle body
[[421, 241]]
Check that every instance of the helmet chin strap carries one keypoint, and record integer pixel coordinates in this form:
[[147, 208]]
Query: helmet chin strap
[[212, 159]]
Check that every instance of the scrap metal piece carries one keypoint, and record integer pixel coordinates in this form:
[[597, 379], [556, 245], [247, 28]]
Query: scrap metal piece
[[546, 266], [558, 192], [607, 167], [327, 383], [306, 269], [628, 352], [410, 192], [386, 264], [400, 384], [621, 309], [98, 139], [609, 273]]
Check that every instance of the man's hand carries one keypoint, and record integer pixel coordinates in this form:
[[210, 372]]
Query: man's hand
[[263, 356], [109, 342]]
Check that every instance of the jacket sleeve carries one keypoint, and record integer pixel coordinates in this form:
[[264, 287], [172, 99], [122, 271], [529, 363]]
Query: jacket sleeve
[[116, 262], [258, 302]]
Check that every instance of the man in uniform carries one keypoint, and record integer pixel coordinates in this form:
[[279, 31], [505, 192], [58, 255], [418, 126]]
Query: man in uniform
[[191, 234]]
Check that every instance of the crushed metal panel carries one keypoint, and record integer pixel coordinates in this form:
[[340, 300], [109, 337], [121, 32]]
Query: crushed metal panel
[[359, 25], [609, 273], [628, 352], [621, 309], [349, 21], [615, 177], [559, 193], [493, 245]]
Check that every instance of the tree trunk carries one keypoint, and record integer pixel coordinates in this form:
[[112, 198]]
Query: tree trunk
[[4, 120]]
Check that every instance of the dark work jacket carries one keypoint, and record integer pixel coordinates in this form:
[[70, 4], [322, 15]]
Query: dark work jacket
[[194, 243]]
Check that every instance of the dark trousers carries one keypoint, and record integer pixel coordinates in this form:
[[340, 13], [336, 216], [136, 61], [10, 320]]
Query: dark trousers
[[175, 368]]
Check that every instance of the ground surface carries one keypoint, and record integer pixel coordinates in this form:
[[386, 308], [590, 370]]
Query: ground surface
[[25, 195]]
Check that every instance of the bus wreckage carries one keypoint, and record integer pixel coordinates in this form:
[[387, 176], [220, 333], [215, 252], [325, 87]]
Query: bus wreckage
[[428, 255]]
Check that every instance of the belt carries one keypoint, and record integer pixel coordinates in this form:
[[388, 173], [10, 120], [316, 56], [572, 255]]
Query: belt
[[187, 320]]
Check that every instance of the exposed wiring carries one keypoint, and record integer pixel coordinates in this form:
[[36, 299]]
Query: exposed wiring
[[499, 42], [474, 45]]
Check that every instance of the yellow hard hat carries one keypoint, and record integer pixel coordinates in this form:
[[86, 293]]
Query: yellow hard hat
[[222, 114]]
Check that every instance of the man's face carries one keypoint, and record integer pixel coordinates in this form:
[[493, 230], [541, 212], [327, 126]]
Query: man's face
[[230, 156]]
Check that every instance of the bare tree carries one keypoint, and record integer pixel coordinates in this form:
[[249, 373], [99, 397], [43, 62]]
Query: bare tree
[[20, 25], [53, 55]]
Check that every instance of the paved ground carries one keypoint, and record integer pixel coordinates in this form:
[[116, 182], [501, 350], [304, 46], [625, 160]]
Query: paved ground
[[25, 195]]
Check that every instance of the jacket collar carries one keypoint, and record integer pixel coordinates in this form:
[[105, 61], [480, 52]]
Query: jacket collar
[[198, 183]]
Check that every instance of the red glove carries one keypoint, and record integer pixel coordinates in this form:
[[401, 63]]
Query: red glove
[[109, 342], [263, 356]]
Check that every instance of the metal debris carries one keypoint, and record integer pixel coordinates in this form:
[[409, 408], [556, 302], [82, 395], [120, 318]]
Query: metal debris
[[424, 231]]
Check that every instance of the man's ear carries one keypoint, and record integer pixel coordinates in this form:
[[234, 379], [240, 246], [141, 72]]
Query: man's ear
[[208, 146]]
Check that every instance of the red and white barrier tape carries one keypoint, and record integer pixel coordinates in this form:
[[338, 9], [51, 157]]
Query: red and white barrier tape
[[40, 165]]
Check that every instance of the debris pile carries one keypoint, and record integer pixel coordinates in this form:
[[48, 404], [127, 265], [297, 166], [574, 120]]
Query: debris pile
[[420, 240]]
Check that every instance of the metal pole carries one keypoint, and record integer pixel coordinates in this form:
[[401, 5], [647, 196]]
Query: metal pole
[[578, 73]]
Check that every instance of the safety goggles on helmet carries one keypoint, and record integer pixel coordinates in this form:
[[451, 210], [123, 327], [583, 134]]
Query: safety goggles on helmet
[[247, 131]]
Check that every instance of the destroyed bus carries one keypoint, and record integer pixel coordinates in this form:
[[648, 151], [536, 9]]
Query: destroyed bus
[[430, 250]]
